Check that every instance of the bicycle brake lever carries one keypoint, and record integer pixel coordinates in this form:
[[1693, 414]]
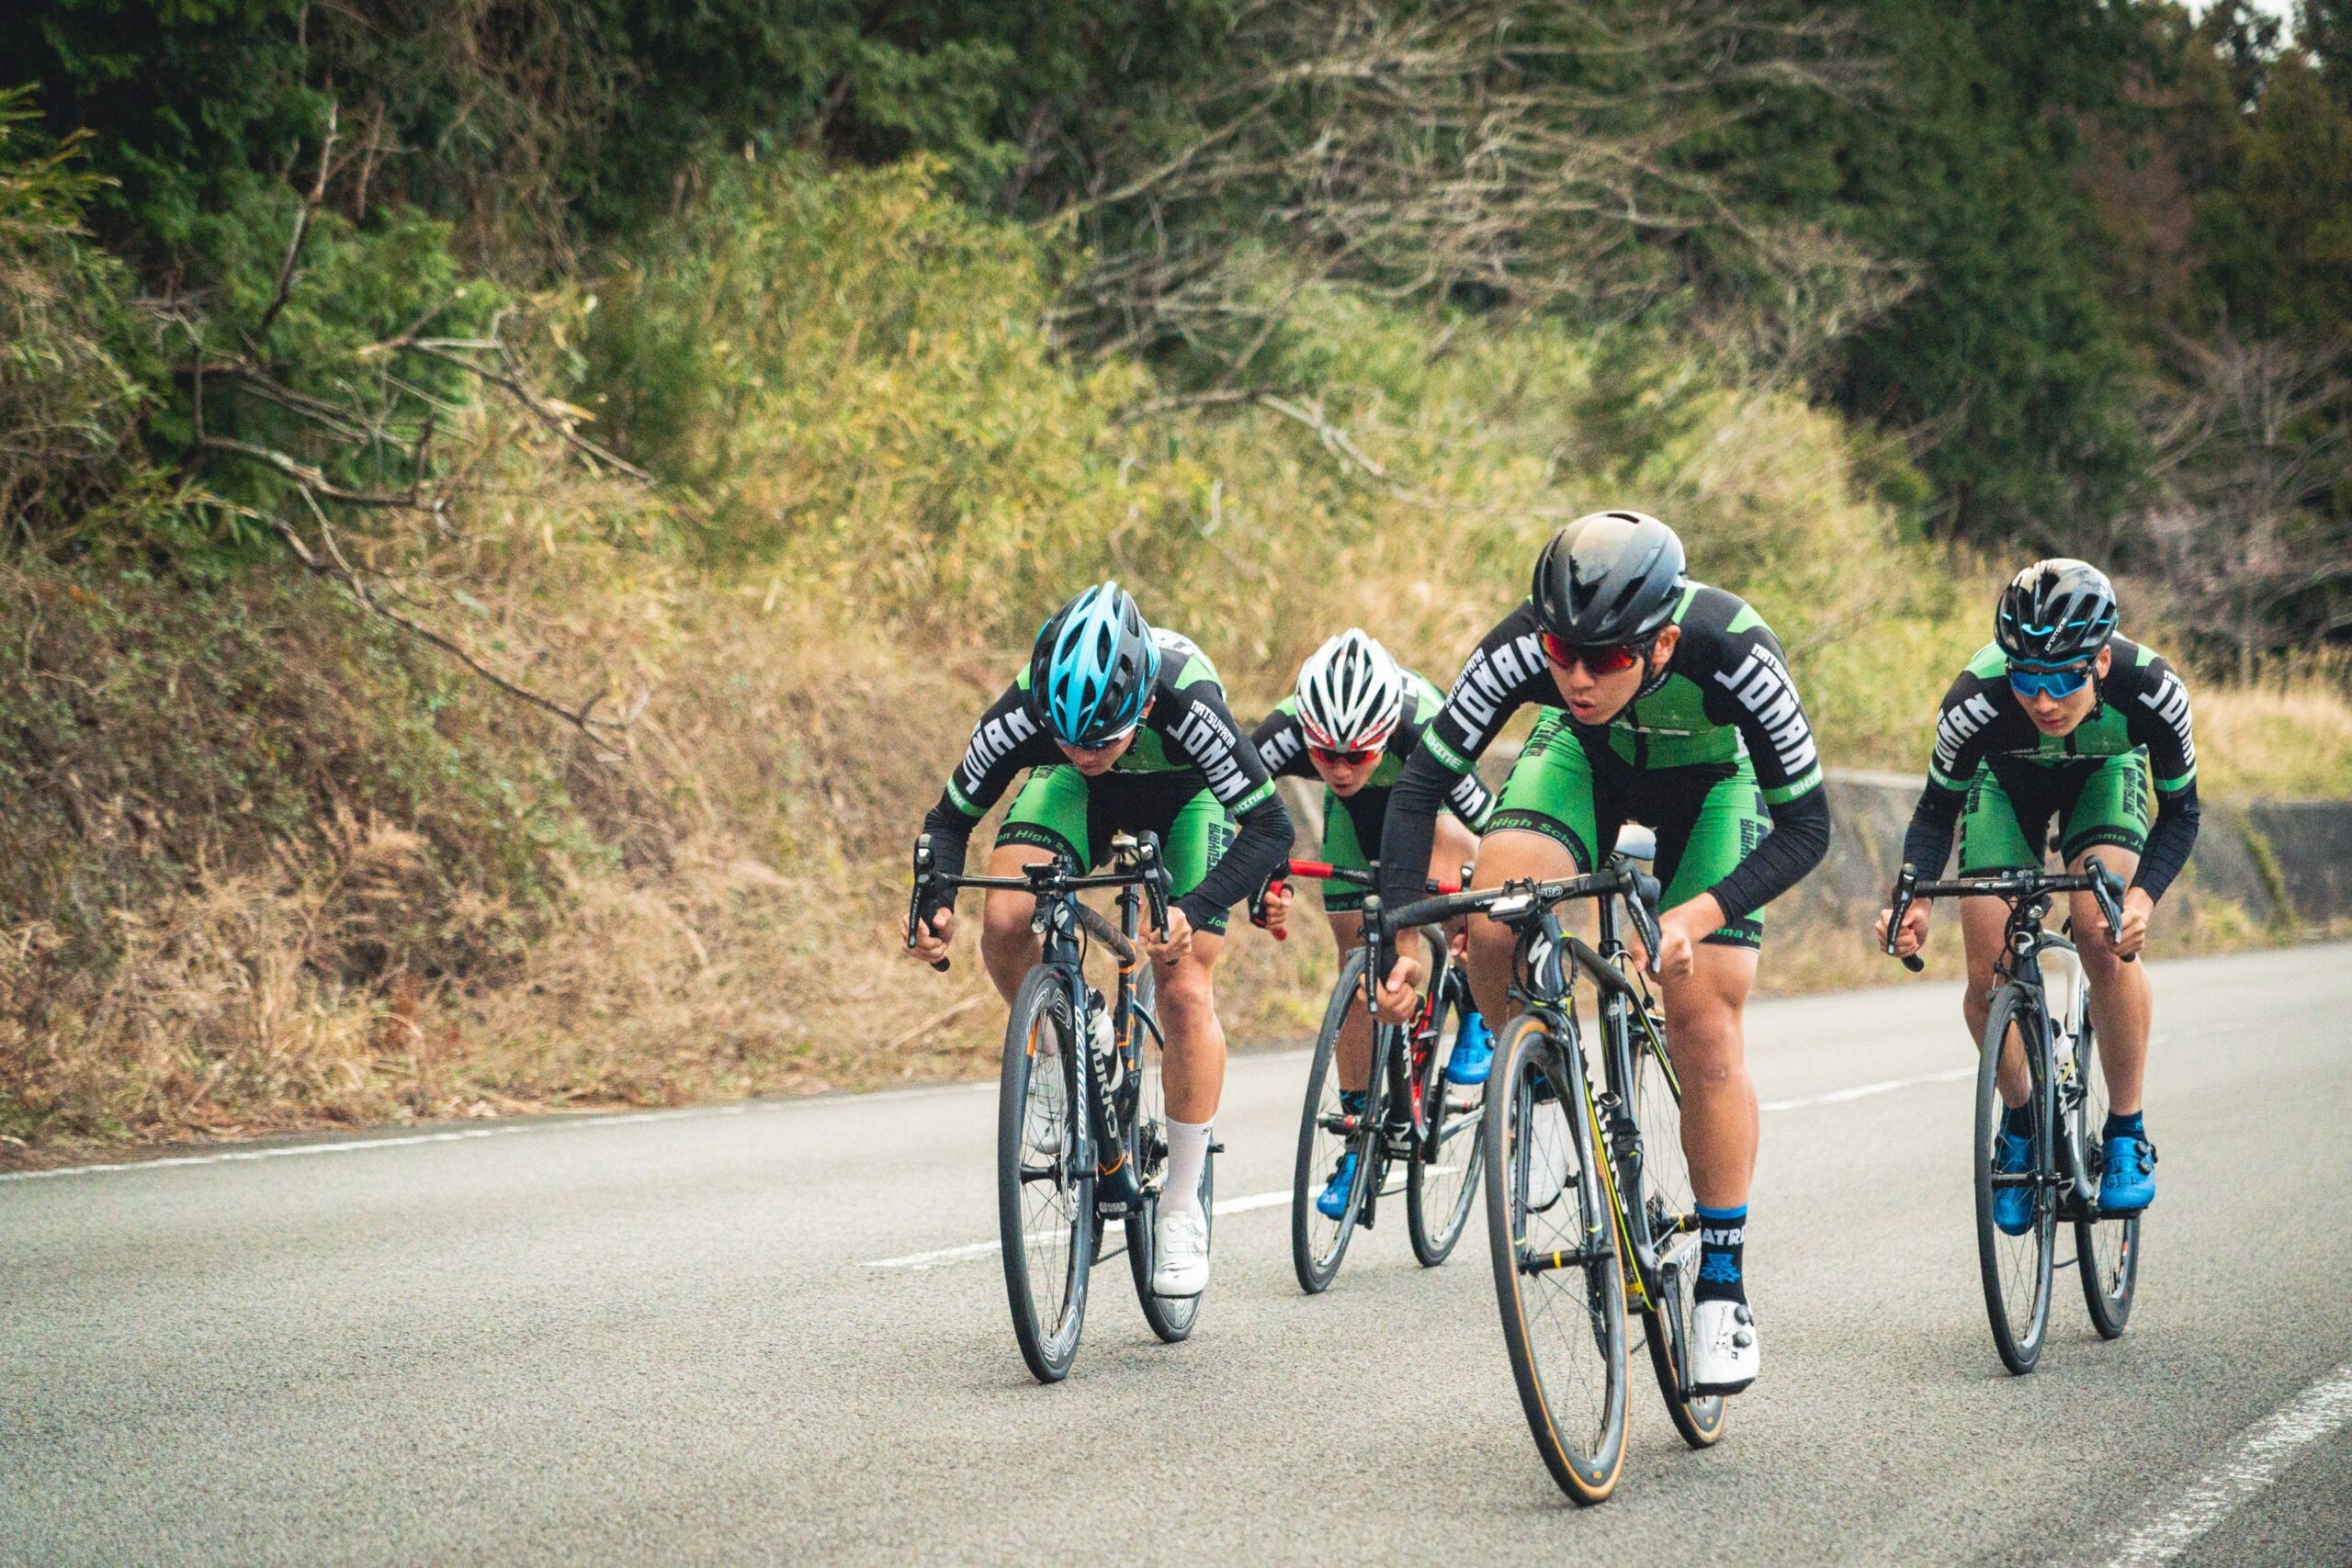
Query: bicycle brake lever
[[926, 874], [1897, 906]]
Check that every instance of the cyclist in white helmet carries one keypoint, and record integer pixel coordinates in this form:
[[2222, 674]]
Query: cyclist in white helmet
[[1355, 718]]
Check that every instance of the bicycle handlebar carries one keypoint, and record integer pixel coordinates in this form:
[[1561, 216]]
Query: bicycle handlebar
[[2105, 887], [1322, 871], [1525, 899], [1046, 879]]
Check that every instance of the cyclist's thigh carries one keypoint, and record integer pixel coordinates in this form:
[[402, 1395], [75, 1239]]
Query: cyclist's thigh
[[1550, 795], [1050, 812], [1344, 846], [2112, 809], [1708, 817], [1347, 929], [1999, 831]]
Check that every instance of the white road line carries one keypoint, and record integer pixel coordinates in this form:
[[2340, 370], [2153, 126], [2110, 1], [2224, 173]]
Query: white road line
[[990, 1248], [2253, 1464], [1864, 1091]]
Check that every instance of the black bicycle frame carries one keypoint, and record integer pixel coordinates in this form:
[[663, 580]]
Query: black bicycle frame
[[1115, 1084]]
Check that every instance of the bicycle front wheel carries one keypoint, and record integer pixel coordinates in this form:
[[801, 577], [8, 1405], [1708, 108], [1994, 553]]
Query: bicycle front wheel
[[1329, 1134], [2107, 1249], [1171, 1317], [1044, 1192], [1442, 1181], [2016, 1260], [1670, 1213], [1553, 1237]]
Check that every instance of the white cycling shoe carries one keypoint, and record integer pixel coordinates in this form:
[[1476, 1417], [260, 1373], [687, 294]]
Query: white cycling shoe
[[1181, 1242], [1722, 1348], [1547, 1155]]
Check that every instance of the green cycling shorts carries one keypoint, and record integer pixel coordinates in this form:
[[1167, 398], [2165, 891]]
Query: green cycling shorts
[[2006, 819], [1347, 843], [1708, 816], [1061, 810]]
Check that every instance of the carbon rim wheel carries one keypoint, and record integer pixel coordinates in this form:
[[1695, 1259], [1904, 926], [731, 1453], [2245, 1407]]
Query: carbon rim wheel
[[1556, 1263], [1443, 1181], [2107, 1251], [1671, 1213], [1316, 1241], [2016, 1269], [1170, 1317], [1045, 1195]]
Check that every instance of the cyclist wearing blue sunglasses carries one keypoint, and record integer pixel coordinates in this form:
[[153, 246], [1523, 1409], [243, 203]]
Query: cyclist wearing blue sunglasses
[[2060, 717]]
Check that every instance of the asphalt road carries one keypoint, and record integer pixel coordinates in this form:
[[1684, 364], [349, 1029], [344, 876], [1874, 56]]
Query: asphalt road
[[666, 1338]]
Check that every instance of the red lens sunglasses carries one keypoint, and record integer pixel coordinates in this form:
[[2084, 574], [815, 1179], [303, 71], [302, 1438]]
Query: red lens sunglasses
[[1610, 658], [1331, 759]]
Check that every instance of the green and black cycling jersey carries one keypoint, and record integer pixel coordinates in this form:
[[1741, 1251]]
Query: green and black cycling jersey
[[1725, 701], [1354, 824], [1187, 737], [2141, 711]]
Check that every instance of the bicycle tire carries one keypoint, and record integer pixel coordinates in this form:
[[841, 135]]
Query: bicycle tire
[[1316, 1243], [1438, 1198], [1047, 1298], [1170, 1317], [2016, 1269], [1669, 1210], [1580, 1435], [2107, 1249]]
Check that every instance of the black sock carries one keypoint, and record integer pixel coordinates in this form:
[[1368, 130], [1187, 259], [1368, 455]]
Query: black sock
[[2132, 1126], [1722, 1238], [2018, 1122]]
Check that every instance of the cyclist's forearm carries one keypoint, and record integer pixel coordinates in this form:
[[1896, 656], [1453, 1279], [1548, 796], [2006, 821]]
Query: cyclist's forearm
[[1408, 834], [950, 831], [1781, 859], [1258, 852], [1927, 843], [2169, 841]]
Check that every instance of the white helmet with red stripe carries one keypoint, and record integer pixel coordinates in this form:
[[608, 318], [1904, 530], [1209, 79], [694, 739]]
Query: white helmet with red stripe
[[1350, 693]]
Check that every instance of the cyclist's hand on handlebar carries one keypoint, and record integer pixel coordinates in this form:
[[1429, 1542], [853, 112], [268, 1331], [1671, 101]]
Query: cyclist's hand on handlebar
[[931, 941], [2137, 908], [1174, 944], [1276, 906], [1679, 931], [1400, 995], [1913, 934]]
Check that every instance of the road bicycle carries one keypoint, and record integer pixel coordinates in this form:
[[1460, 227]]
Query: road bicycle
[[1082, 1126], [1589, 1200], [1410, 1116], [2038, 1002]]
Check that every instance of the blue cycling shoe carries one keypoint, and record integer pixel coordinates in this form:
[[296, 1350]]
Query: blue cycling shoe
[[1332, 1201], [2127, 1183], [1473, 1054], [2012, 1206]]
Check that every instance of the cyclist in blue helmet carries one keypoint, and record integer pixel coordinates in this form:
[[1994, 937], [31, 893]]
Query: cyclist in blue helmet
[[1124, 728]]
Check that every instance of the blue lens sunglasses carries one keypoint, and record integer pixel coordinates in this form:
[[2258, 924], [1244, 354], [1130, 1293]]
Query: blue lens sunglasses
[[2050, 682]]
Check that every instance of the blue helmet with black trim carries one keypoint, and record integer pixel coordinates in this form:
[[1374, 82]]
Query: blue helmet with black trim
[[1093, 666], [2055, 613]]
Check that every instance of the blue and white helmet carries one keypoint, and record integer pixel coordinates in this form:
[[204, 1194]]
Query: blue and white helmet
[[1093, 666]]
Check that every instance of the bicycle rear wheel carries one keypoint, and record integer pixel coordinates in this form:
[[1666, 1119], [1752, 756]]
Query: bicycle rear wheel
[[1555, 1260], [2107, 1249], [1171, 1317], [2015, 1268], [1326, 1134], [1671, 1215], [1442, 1183], [1045, 1193]]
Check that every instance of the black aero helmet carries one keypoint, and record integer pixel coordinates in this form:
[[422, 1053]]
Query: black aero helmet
[[1609, 577], [2055, 612]]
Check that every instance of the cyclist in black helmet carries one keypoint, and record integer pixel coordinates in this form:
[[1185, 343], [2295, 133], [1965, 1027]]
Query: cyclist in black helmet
[[1669, 703], [2061, 718]]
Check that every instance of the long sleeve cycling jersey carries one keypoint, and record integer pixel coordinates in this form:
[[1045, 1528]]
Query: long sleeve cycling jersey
[[1186, 726], [1726, 691], [1281, 741], [2142, 706]]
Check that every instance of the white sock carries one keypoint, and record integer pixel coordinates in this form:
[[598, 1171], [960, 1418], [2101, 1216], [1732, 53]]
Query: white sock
[[1188, 1151]]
